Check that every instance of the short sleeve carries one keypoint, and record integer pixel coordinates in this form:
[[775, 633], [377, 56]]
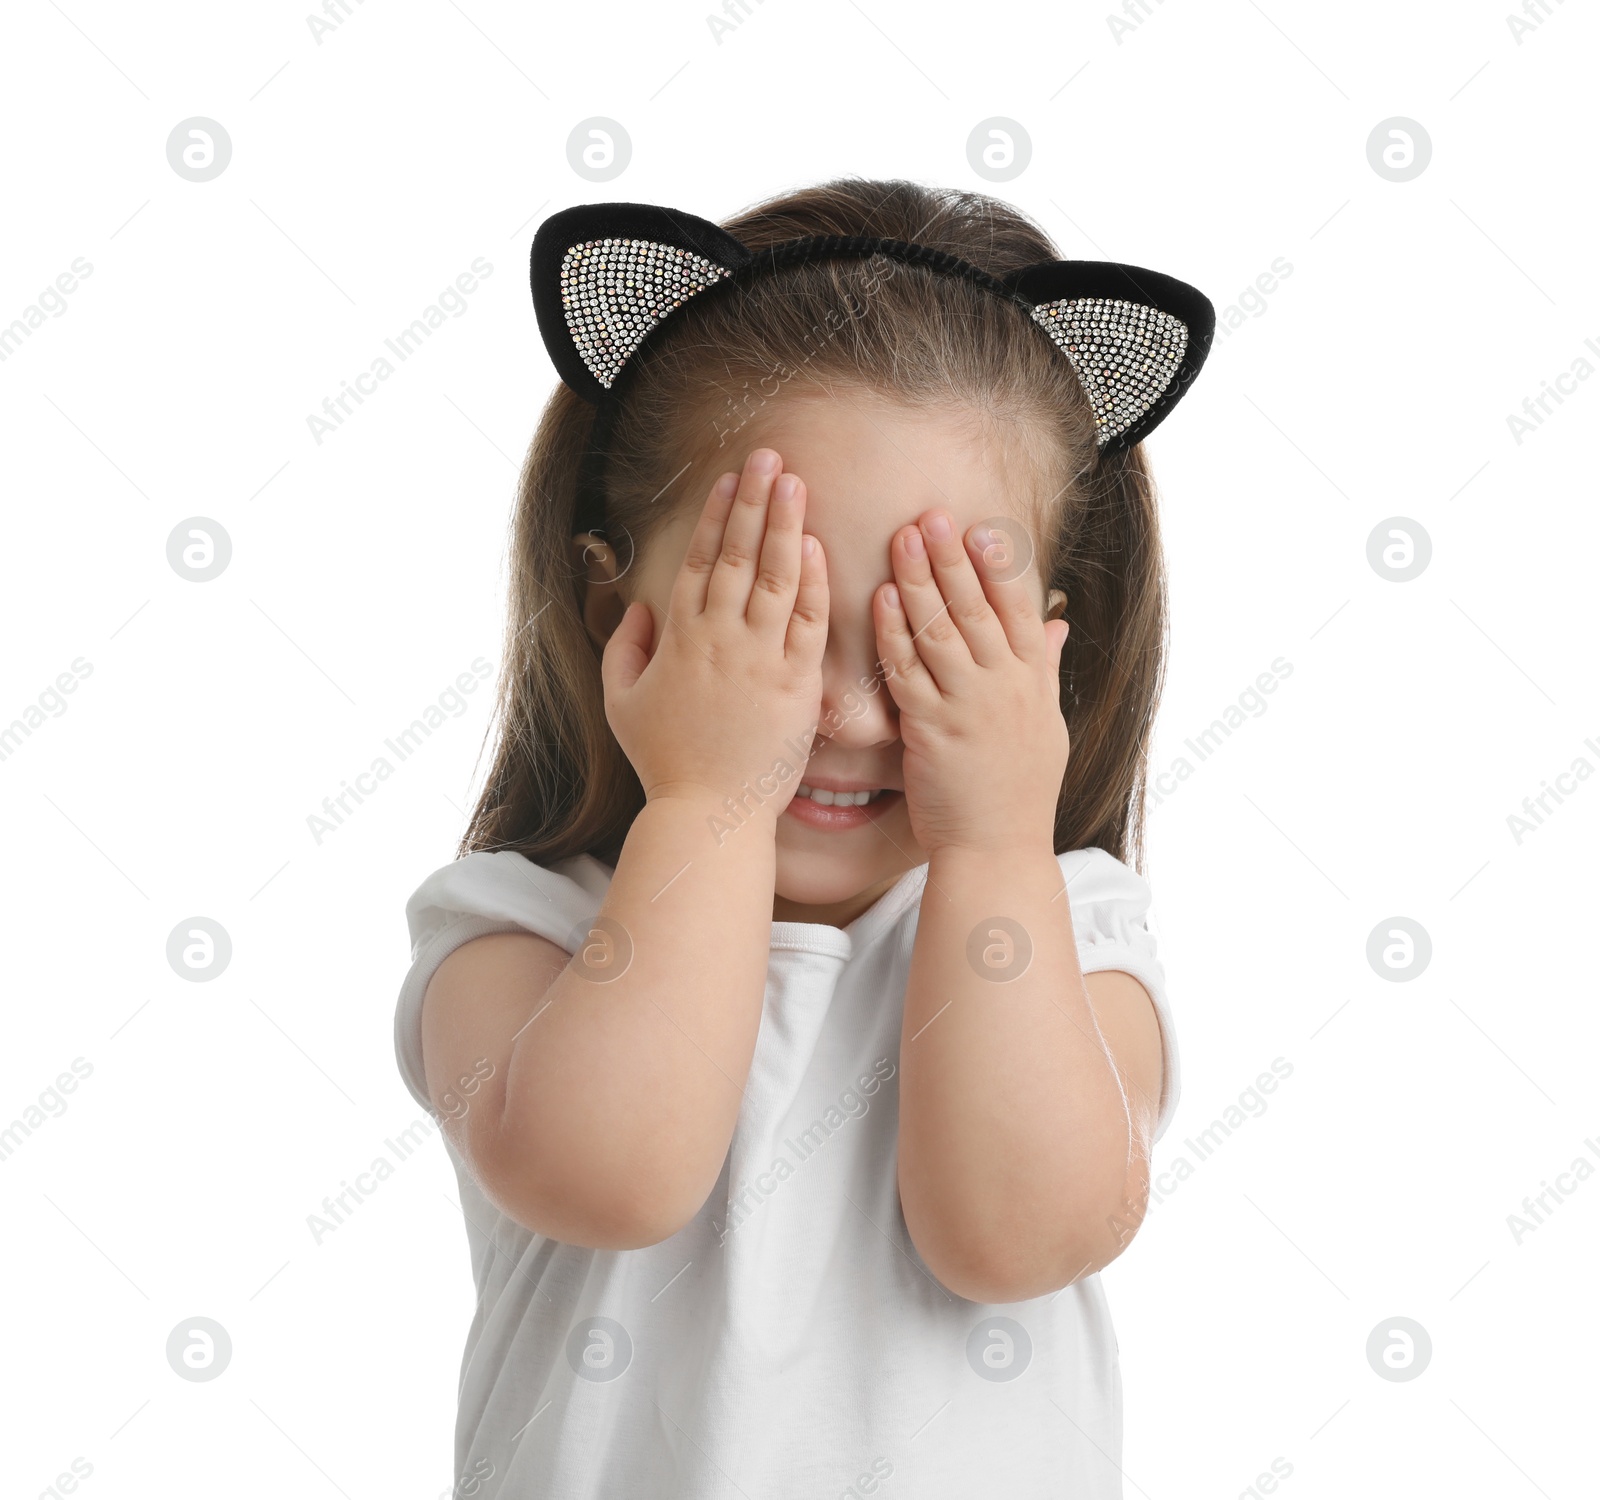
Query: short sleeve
[[489, 891], [1110, 912]]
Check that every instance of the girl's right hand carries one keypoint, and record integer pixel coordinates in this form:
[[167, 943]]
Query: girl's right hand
[[734, 684]]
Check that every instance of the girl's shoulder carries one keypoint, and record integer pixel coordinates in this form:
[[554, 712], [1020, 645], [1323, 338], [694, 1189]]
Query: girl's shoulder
[[1112, 923], [1095, 877], [505, 887], [1112, 918], [480, 893]]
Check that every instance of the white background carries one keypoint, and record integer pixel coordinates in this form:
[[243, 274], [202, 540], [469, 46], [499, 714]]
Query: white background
[[371, 168]]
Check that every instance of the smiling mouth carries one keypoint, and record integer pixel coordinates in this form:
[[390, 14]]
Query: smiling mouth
[[845, 812]]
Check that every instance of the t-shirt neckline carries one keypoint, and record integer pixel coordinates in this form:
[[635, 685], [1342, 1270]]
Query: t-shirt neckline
[[845, 942]]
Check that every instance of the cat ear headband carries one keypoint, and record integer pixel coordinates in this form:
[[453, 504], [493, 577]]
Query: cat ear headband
[[606, 275]]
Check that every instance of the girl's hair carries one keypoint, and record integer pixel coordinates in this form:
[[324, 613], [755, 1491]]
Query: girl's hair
[[560, 784]]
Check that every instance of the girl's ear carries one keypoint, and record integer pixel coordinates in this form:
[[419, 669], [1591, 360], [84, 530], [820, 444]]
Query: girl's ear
[[600, 598]]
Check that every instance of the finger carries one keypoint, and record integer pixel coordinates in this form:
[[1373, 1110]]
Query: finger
[[808, 623], [778, 576], [728, 591], [910, 683], [705, 546], [1010, 593], [1056, 635], [953, 572], [627, 653], [936, 636]]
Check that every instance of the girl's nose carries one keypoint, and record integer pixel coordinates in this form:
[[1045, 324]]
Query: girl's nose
[[858, 710]]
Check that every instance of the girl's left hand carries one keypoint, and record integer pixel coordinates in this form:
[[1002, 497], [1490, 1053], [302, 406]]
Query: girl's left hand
[[975, 674]]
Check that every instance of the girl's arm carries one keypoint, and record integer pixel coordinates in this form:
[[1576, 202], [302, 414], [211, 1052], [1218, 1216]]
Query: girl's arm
[[613, 1079], [611, 1102], [1024, 1138]]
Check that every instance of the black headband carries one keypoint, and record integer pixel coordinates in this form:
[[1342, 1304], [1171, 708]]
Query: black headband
[[606, 275]]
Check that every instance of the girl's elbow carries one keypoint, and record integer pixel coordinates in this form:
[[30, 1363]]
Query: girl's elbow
[[583, 1203], [1012, 1263]]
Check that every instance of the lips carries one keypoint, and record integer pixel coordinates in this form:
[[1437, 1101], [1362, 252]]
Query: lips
[[841, 818]]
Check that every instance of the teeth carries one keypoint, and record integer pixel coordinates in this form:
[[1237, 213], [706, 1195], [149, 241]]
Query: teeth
[[838, 799]]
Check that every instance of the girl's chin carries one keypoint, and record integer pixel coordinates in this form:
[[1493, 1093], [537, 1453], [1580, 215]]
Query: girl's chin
[[829, 890]]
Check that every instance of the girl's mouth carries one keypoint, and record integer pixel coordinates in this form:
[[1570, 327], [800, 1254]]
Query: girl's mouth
[[841, 816]]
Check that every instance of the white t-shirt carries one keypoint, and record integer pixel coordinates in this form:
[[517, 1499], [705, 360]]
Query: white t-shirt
[[789, 1341]]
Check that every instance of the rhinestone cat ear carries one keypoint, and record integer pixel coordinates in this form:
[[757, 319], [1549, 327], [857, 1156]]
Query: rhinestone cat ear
[[1135, 338], [606, 275]]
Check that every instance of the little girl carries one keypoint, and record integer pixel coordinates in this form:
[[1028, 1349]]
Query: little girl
[[791, 1014]]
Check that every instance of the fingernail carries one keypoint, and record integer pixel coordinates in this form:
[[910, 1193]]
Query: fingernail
[[764, 461], [891, 596], [785, 487], [914, 543], [726, 486], [982, 537], [939, 527]]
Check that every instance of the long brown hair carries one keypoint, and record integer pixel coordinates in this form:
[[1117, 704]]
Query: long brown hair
[[560, 784]]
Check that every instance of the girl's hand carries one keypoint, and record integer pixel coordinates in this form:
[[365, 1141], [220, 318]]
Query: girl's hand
[[734, 684], [975, 674]]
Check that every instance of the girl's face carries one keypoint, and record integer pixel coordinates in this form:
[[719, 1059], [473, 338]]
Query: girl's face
[[870, 468]]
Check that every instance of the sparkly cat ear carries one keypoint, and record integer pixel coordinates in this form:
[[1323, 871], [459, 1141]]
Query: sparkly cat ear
[[605, 274], [1136, 338]]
